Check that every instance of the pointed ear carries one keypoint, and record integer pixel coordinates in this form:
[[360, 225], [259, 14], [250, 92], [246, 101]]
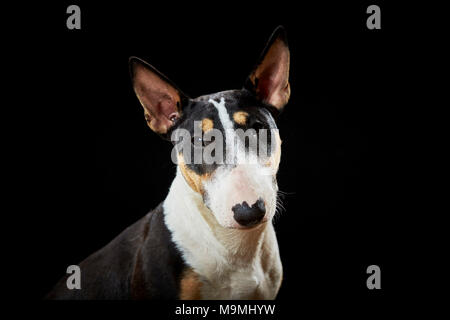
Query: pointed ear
[[270, 78], [161, 99]]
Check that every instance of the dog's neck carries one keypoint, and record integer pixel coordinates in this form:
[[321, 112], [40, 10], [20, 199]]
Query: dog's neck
[[198, 235]]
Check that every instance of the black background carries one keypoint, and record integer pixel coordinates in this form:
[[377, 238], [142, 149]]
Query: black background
[[96, 167]]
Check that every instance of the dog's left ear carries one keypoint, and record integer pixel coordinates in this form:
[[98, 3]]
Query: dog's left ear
[[269, 80]]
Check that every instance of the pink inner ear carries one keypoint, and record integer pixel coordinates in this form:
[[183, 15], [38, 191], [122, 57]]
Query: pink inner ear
[[165, 108], [273, 75], [158, 98], [272, 80]]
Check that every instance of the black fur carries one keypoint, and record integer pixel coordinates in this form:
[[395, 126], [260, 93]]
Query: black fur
[[141, 263]]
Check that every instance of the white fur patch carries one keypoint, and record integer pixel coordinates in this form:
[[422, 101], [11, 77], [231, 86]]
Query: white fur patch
[[228, 129], [223, 113], [231, 263]]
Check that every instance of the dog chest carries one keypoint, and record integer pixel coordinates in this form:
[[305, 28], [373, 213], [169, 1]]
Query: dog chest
[[245, 283]]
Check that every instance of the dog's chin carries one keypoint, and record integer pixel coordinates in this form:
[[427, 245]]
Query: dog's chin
[[234, 225], [257, 226]]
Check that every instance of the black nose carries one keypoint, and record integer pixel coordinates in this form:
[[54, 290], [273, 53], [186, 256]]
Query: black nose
[[249, 216]]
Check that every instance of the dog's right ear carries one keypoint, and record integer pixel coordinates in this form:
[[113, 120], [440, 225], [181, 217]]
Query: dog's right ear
[[161, 99]]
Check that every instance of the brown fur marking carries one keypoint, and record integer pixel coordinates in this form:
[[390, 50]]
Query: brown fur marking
[[207, 125], [138, 289], [190, 286], [194, 180], [240, 117]]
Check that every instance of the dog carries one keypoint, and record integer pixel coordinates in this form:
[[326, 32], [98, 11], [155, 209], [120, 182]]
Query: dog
[[212, 237]]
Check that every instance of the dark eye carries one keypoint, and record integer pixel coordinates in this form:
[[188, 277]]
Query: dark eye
[[197, 141], [200, 142], [258, 125]]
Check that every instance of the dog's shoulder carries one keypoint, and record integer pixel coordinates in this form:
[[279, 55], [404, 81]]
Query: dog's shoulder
[[142, 262], [159, 265]]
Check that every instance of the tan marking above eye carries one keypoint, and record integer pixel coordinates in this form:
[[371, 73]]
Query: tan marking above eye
[[207, 124], [240, 117]]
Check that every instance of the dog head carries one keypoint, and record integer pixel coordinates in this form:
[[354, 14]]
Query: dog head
[[227, 144]]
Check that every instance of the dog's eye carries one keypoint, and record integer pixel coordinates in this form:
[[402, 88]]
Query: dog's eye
[[200, 142], [257, 125], [197, 141]]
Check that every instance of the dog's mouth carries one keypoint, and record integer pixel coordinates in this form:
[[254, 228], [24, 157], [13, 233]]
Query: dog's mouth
[[253, 227]]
